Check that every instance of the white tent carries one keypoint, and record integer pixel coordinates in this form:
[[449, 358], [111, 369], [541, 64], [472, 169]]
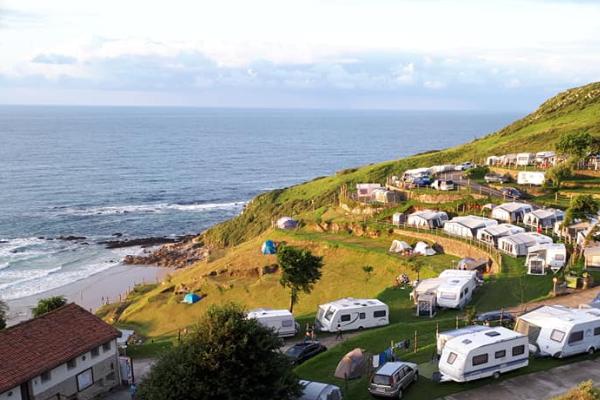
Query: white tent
[[286, 223], [423, 249], [399, 246]]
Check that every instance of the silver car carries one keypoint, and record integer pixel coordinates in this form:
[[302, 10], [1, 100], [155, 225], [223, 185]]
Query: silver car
[[393, 378]]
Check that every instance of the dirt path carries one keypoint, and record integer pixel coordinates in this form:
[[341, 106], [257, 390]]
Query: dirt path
[[569, 300]]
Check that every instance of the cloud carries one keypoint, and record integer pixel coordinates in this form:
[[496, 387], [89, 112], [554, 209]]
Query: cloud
[[53, 58]]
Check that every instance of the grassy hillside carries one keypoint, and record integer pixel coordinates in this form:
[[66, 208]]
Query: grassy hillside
[[571, 111]]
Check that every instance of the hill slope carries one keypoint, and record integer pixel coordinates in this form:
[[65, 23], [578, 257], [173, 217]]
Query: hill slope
[[574, 110]]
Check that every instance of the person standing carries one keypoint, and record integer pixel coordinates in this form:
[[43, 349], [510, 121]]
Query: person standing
[[338, 336], [133, 391]]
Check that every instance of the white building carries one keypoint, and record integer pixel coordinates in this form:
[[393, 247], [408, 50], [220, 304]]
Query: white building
[[66, 353], [511, 212], [467, 226], [519, 244], [427, 219], [491, 234], [545, 218]]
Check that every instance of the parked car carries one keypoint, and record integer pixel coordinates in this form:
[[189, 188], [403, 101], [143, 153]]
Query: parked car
[[422, 182], [303, 351], [391, 379], [465, 166], [441, 184], [511, 192], [320, 391], [494, 178], [498, 317]]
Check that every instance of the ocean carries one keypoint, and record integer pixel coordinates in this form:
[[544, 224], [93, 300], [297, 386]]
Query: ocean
[[102, 172]]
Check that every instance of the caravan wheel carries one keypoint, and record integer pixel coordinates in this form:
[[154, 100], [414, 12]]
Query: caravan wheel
[[591, 351], [496, 375], [400, 393]]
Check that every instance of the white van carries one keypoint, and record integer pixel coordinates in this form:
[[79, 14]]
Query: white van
[[559, 331], [483, 354], [443, 337], [281, 321], [350, 313]]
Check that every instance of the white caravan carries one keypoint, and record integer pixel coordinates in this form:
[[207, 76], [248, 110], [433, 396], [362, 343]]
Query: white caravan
[[542, 256], [350, 313], [531, 178], [281, 321], [559, 331], [443, 337], [458, 288], [483, 354]]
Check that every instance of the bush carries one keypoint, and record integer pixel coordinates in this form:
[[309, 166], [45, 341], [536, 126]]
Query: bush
[[477, 172]]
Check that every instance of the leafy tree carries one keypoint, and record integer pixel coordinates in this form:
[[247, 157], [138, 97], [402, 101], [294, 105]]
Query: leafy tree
[[226, 357], [559, 173], [581, 207], [368, 269], [478, 172], [301, 270], [48, 304], [575, 144], [416, 264], [3, 314]]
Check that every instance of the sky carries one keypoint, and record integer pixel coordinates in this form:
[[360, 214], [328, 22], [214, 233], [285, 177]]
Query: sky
[[356, 54]]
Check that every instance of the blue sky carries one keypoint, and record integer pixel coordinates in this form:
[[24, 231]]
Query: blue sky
[[425, 54]]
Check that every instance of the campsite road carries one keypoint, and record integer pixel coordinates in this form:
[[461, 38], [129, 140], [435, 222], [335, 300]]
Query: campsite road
[[536, 386], [459, 179]]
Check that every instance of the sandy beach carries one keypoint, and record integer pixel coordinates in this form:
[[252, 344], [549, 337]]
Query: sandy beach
[[92, 291]]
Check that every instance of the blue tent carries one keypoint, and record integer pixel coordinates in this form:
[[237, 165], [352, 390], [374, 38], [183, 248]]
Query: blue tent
[[269, 247], [191, 298]]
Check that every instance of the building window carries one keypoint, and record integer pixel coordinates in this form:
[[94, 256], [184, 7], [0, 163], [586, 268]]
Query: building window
[[72, 363], [106, 347], [500, 354], [480, 359], [85, 379], [518, 350], [95, 352], [46, 376]]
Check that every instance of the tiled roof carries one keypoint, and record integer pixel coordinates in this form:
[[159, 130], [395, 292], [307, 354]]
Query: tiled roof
[[40, 344]]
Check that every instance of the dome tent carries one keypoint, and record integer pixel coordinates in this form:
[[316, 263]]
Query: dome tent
[[191, 298], [399, 246], [423, 249], [352, 365], [287, 223], [269, 247]]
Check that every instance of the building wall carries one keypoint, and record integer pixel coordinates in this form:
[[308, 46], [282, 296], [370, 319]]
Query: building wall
[[15, 394], [64, 380]]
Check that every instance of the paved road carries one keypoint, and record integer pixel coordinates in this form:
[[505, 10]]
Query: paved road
[[536, 386], [459, 179]]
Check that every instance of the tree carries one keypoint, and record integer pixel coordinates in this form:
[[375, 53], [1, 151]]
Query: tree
[[583, 391], [575, 144], [581, 207], [226, 357], [48, 304], [301, 270], [416, 264], [559, 173], [3, 314], [368, 269]]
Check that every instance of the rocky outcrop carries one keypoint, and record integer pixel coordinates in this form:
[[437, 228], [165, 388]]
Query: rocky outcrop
[[172, 255], [143, 242]]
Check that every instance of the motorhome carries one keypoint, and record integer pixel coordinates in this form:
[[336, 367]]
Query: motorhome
[[443, 337], [559, 331], [483, 354], [281, 321], [349, 314], [458, 288], [543, 256]]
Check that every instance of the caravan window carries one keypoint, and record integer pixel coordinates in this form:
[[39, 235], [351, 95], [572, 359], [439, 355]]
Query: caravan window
[[480, 359], [379, 314], [329, 314], [362, 315], [451, 358], [500, 354], [345, 318], [518, 350], [448, 296], [286, 323], [576, 337], [597, 331], [557, 335]]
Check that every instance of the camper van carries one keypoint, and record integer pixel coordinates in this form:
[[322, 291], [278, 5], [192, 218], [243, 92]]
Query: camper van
[[483, 354], [350, 313], [456, 292], [443, 337], [282, 321], [559, 331]]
